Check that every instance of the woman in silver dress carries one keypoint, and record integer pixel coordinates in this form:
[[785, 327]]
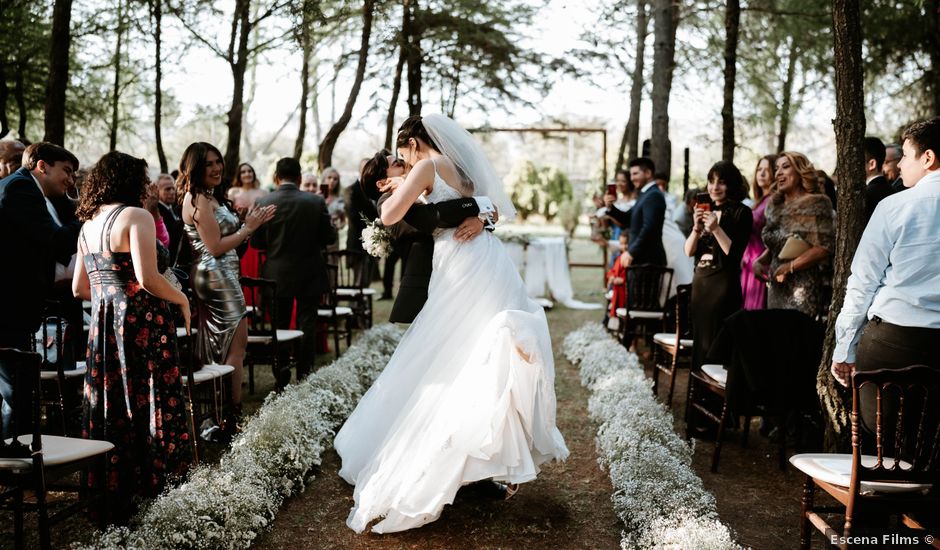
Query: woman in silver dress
[[214, 232]]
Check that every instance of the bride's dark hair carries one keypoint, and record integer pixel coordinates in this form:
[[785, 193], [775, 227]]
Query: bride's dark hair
[[412, 127], [376, 169]]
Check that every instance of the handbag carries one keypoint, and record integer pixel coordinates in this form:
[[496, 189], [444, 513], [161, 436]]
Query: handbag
[[793, 248]]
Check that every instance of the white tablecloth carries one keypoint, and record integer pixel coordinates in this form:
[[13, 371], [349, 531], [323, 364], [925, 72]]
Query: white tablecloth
[[545, 266]]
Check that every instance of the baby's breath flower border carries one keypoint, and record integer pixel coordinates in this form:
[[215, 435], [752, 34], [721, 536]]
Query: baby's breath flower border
[[226, 505], [657, 495]]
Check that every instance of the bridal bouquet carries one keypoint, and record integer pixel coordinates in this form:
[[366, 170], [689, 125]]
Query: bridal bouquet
[[376, 240]]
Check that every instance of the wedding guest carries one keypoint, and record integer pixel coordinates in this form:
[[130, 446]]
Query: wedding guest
[[891, 315], [308, 183], [797, 211], [762, 187], [828, 186], [246, 188], [214, 232], [683, 215], [32, 233], [645, 219], [717, 242], [330, 189], [11, 156], [244, 197], [672, 204], [890, 169], [294, 243], [877, 187], [133, 391]]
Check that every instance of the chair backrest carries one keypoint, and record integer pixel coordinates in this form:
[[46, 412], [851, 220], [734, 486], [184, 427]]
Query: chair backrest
[[349, 268], [19, 400], [683, 316], [50, 343], [262, 316], [907, 411], [329, 299], [645, 284]]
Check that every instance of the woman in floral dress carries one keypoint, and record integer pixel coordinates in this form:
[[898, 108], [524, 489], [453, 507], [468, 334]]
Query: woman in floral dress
[[133, 392]]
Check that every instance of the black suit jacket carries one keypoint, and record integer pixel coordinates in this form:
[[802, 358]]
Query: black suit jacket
[[645, 221], [294, 241], [29, 237], [414, 241], [358, 206], [174, 226], [876, 190]]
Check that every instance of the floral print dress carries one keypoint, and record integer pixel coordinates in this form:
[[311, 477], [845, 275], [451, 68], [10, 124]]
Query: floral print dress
[[133, 393]]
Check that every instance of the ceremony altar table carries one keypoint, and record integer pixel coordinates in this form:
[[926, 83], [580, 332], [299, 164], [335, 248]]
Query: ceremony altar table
[[543, 262]]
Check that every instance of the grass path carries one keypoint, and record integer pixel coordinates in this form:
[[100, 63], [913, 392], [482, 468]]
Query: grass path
[[568, 506]]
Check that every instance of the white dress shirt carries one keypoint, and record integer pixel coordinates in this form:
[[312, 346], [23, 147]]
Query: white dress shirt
[[896, 269]]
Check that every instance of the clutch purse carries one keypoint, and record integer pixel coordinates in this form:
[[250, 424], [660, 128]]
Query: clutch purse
[[794, 246]]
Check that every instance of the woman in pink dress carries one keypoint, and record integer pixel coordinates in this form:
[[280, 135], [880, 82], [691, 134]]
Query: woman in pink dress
[[754, 289]]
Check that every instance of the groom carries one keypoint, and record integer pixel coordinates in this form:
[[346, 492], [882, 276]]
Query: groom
[[414, 235]]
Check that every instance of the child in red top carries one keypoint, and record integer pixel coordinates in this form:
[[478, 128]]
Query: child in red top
[[616, 278]]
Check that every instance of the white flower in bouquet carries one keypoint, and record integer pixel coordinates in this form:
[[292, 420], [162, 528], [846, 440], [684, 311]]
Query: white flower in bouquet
[[376, 240]]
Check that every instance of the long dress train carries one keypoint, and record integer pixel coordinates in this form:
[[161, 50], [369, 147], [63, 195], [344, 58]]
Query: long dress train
[[468, 395]]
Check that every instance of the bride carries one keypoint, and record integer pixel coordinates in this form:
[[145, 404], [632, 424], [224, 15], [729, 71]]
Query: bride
[[469, 393]]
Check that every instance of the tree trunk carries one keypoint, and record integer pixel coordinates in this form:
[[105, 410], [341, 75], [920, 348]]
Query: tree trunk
[[329, 141], [396, 90], [20, 95], [315, 104], [665, 21], [158, 85], [732, 23], [631, 134], [849, 127], [58, 80], [304, 86], [116, 91], [787, 96], [933, 75], [238, 64], [4, 95], [413, 35]]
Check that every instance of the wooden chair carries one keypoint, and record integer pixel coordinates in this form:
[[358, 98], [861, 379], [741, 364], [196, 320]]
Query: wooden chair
[[708, 398], [330, 312], [645, 313], [61, 376], [673, 348], [352, 284], [30, 460], [902, 478], [264, 338]]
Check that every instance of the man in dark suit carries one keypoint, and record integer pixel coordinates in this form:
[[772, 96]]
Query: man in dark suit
[[34, 237], [877, 186], [645, 219], [11, 156], [170, 212], [414, 237], [294, 241], [892, 172]]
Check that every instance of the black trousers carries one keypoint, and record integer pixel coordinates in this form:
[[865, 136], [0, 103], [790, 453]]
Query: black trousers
[[306, 321], [884, 345]]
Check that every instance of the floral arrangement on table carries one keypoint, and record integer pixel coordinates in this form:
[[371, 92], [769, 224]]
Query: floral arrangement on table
[[226, 505], [376, 240], [657, 495], [516, 238]]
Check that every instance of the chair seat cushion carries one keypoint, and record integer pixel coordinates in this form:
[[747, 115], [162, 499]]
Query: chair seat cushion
[[836, 469], [181, 332], [639, 314], [353, 292], [57, 450], [77, 372], [718, 373], [286, 335], [209, 372], [341, 311], [669, 339]]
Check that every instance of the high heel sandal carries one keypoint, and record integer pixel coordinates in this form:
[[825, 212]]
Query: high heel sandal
[[511, 490]]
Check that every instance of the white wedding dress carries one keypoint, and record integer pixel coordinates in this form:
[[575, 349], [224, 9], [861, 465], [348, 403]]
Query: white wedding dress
[[468, 395]]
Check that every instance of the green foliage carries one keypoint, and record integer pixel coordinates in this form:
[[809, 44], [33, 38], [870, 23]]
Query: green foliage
[[568, 213], [536, 190]]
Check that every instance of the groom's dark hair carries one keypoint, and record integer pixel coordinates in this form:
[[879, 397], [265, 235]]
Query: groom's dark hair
[[413, 127], [375, 169], [287, 169]]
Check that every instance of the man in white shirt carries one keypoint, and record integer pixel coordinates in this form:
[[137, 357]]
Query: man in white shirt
[[895, 280]]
